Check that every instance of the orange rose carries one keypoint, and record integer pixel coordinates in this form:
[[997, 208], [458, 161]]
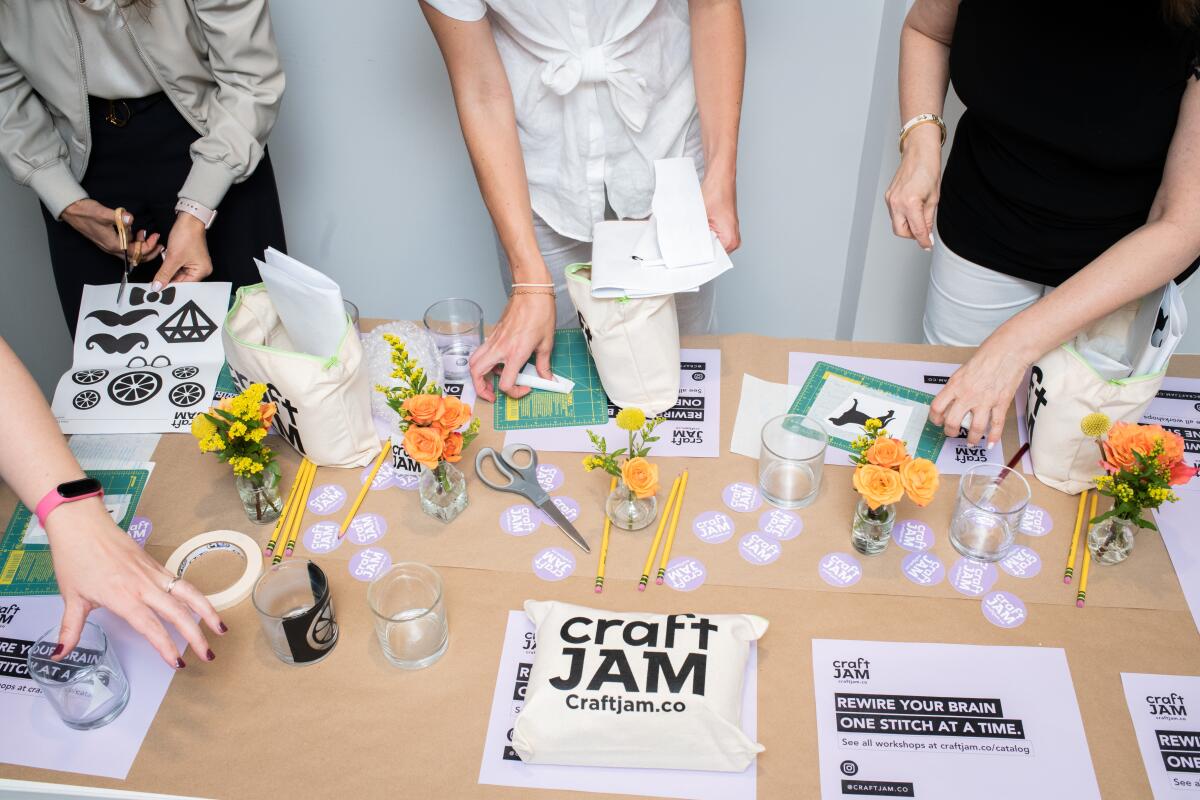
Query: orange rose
[[424, 409], [1118, 447], [455, 413], [424, 445], [640, 476], [452, 447], [1172, 446], [887, 452], [267, 413], [877, 485], [1125, 439], [919, 477]]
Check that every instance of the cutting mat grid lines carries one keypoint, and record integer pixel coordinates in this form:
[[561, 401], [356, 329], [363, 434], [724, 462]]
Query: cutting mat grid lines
[[586, 404]]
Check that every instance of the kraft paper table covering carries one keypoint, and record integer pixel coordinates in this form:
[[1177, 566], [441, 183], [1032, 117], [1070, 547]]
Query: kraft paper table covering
[[249, 726]]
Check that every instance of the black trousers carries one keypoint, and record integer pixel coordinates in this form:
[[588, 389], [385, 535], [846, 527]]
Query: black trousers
[[141, 166]]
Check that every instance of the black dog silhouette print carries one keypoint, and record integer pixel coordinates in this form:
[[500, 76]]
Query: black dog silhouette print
[[852, 416]]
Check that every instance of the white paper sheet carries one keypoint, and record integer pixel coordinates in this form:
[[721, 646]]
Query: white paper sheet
[[308, 301], [119, 449], [692, 429], [1177, 525], [681, 221], [927, 376], [947, 722], [1166, 719], [616, 273], [31, 733], [502, 767], [760, 402], [148, 366]]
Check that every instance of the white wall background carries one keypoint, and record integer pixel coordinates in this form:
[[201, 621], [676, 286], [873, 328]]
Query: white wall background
[[377, 189]]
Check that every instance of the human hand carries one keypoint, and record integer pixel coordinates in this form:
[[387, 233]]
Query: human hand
[[98, 565], [720, 201], [98, 224], [912, 197], [525, 328], [186, 258], [984, 386]]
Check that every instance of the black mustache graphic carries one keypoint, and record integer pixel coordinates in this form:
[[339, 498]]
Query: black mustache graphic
[[112, 319], [112, 344]]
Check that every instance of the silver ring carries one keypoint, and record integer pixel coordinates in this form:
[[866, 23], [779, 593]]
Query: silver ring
[[171, 584]]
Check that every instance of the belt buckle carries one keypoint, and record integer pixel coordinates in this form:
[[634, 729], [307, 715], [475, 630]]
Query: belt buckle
[[118, 113]]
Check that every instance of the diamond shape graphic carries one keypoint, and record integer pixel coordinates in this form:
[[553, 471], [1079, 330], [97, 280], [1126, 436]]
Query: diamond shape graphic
[[187, 325]]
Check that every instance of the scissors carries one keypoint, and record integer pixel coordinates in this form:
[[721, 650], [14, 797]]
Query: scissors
[[522, 480], [127, 264]]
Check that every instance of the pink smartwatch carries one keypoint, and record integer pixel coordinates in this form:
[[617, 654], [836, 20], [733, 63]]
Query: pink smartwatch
[[68, 492]]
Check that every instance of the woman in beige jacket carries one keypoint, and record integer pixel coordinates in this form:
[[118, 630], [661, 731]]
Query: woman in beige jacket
[[160, 108]]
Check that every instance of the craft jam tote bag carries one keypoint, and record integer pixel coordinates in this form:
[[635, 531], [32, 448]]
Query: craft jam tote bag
[[324, 403]]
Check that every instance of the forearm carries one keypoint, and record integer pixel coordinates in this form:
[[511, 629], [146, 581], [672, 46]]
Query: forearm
[[719, 69], [925, 66]]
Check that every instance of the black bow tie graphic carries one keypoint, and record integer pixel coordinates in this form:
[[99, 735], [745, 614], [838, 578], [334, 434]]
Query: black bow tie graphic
[[137, 296]]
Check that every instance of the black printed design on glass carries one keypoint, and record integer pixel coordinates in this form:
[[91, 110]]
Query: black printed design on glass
[[187, 325], [86, 399], [138, 296], [183, 373], [311, 634], [186, 394], [111, 319], [86, 377], [112, 344], [134, 388]]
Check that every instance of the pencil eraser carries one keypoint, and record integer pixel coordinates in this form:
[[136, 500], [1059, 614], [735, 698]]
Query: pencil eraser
[[641, 587], [599, 589], [658, 581], [1079, 604], [1067, 579]]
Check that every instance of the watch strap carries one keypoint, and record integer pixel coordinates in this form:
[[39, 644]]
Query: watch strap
[[55, 498], [200, 212]]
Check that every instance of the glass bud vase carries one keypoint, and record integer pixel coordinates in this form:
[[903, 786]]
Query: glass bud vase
[[871, 531], [260, 497], [443, 491], [628, 511], [1111, 541]]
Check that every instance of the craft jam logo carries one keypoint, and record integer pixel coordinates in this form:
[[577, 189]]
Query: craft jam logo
[[856, 671], [1037, 398], [8, 614], [1161, 707], [285, 423]]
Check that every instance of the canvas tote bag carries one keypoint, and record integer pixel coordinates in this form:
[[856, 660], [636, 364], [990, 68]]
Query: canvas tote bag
[[324, 403], [634, 342]]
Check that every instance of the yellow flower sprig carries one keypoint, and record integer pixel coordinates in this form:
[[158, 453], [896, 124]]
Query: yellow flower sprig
[[412, 378], [234, 431], [640, 430]]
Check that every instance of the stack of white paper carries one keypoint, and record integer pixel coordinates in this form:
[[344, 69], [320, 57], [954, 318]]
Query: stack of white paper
[[309, 303], [1138, 339]]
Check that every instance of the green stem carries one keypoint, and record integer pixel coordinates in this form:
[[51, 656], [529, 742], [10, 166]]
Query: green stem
[[443, 477]]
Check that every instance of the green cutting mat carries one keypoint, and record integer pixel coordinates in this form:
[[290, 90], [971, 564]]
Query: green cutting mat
[[587, 404], [28, 569], [932, 437]]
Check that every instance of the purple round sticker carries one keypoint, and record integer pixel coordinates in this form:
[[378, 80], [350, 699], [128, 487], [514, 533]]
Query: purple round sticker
[[1036, 521], [568, 507], [369, 564], [520, 520], [783, 525], [366, 529], [1004, 610], [322, 537], [326, 499], [1021, 562], [553, 564], [742, 497], [139, 530], [549, 477], [405, 480], [839, 569], [923, 569], [713, 527], [971, 577], [759, 549], [384, 479], [685, 574], [913, 535]]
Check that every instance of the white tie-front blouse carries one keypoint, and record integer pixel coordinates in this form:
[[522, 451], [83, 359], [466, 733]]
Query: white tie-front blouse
[[601, 88]]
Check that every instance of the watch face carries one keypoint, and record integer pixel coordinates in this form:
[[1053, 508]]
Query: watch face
[[79, 488]]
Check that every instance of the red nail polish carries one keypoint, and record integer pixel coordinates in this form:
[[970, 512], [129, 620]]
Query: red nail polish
[[210, 655], [179, 663], [222, 627], [58, 649]]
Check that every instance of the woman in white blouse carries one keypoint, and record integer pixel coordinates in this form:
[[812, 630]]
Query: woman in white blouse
[[564, 106]]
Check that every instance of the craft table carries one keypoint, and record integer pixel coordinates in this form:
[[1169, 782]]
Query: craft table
[[248, 726]]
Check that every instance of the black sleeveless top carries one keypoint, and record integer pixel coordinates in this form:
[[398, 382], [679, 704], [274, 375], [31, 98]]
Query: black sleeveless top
[[1071, 107]]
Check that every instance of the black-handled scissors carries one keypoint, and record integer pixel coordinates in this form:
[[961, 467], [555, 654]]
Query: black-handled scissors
[[522, 479]]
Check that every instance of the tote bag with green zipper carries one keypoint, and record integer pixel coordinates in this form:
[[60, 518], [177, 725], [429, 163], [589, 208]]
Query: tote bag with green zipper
[[324, 404]]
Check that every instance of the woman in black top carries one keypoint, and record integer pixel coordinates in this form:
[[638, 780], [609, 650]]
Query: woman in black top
[[1075, 167]]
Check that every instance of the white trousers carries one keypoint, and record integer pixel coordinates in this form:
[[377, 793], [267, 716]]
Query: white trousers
[[966, 302], [697, 310]]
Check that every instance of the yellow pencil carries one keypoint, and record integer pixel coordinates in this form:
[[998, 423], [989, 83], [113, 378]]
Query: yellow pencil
[[287, 507], [662, 565], [662, 524], [289, 532], [1070, 570], [366, 487], [1087, 560], [604, 544]]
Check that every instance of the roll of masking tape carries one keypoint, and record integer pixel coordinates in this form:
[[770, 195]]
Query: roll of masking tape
[[238, 544]]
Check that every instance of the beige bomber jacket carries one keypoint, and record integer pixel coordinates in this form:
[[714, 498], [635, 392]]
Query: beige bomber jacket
[[215, 59]]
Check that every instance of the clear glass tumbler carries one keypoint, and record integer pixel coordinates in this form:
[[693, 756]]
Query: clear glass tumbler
[[410, 615], [456, 325], [991, 502], [791, 460], [296, 611], [352, 313], [88, 687]]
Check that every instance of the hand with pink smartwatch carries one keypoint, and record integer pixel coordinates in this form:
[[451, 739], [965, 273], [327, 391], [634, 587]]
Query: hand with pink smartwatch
[[96, 563]]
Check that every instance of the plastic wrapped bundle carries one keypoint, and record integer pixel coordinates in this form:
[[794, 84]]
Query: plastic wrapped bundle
[[421, 349]]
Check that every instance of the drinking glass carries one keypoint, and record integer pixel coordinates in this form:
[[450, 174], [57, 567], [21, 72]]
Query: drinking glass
[[991, 502], [352, 312], [410, 615], [791, 460], [88, 687], [456, 325], [296, 611]]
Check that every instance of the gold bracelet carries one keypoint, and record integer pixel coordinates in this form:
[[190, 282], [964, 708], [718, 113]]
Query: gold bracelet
[[548, 292], [921, 119]]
